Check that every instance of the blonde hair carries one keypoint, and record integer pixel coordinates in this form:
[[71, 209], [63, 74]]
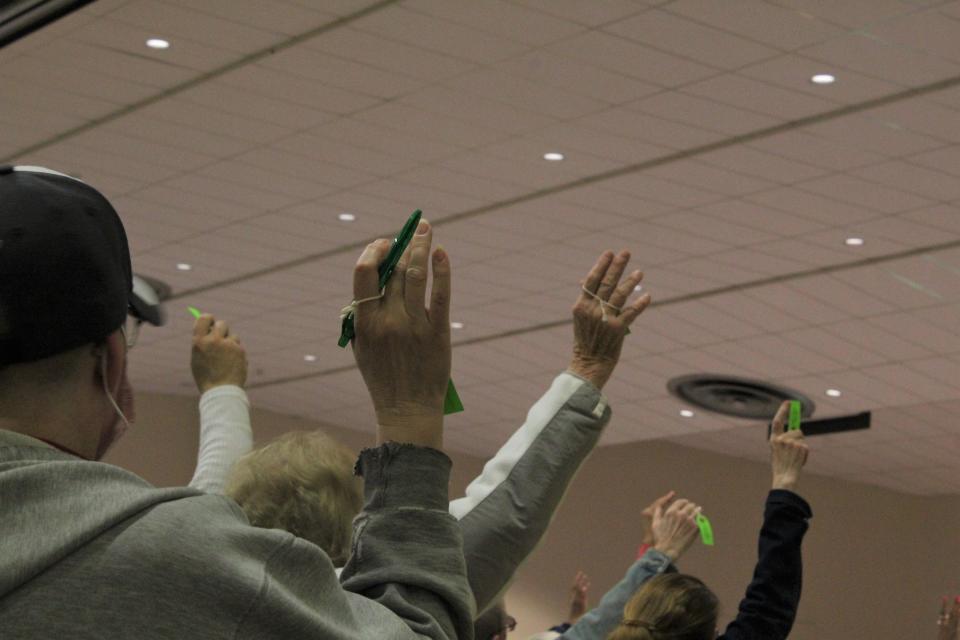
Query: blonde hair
[[671, 606], [301, 482]]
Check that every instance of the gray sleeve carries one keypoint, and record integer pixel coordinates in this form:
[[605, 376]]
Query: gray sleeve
[[407, 549], [503, 528], [597, 623], [405, 578]]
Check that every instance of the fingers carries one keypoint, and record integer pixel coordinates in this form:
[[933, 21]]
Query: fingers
[[439, 313], [665, 499], [780, 420], [202, 325], [592, 281], [221, 329], [415, 289], [366, 281], [635, 308], [625, 288], [610, 279]]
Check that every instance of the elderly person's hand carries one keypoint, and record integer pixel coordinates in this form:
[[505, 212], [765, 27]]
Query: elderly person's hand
[[601, 317], [788, 452], [402, 348], [217, 357], [646, 516], [675, 528]]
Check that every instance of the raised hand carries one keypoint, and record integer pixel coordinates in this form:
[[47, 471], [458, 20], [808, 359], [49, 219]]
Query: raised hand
[[217, 357], [788, 451], [401, 347], [646, 516], [601, 317], [675, 528], [578, 597], [947, 622]]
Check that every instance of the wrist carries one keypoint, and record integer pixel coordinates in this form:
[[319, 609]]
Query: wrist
[[668, 551], [597, 372], [424, 429], [787, 482]]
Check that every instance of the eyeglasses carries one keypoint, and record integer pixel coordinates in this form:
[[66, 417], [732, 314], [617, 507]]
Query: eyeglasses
[[131, 330]]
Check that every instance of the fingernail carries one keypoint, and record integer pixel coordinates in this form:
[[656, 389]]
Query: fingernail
[[423, 227], [440, 254]]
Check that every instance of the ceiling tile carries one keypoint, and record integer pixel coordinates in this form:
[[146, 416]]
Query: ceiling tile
[[794, 72], [632, 59], [776, 26], [501, 18], [704, 113], [759, 96], [865, 194], [689, 39], [587, 13]]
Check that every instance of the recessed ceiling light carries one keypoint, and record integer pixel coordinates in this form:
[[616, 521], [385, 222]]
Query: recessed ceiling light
[[183, 266], [553, 156], [834, 393], [854, 242], [686, 413], [158, 43], [823, 78], [347, 217], [310, 358], [456, 325]]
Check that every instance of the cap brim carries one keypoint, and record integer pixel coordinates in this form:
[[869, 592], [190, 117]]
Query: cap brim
[[145, 303]]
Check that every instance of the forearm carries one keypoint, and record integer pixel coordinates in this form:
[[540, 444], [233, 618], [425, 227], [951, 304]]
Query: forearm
[[769, 606], [597, 623], [508, 507], [407, 549], [225, 436]]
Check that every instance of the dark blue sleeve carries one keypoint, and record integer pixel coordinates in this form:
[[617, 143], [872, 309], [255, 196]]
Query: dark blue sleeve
[[769, 607]]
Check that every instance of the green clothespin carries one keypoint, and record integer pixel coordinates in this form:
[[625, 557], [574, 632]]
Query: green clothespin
[[194, 312], [706, 531], [795, 416], [451, 402]]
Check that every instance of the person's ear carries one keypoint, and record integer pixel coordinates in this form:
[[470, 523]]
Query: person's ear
[[115, 348]]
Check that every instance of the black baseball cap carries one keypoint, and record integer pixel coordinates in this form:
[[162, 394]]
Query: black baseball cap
[[65, 273]]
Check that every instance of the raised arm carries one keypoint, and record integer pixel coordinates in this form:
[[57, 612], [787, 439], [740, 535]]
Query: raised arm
[[405, 531], [218, 362], [673, 531], [506, 509], [769, 607]]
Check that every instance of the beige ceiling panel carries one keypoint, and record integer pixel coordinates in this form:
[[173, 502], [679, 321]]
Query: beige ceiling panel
[[872, 56], [577, 78], [627, 123], [620, 55], [501, 18], [426, 32], [704, 113], [272, 83], [776, 26], [759, 96], [690, 39], [389, 55], [794, 72], [285, 18]]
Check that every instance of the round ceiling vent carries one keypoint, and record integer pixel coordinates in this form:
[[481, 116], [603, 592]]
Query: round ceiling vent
[[733, 396]]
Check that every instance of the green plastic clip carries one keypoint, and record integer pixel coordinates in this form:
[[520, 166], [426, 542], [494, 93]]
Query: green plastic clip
[[451, 402], [194, 312], [706, 530], [795, 416]]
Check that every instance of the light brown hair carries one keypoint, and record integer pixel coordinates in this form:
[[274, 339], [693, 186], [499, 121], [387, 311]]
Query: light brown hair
[[671, 606], [301, 482]]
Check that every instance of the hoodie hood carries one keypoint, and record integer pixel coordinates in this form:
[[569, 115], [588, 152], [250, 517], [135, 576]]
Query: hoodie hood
[[52, 503]]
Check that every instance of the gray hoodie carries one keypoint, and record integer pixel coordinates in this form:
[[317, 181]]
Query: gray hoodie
[[88, 550]]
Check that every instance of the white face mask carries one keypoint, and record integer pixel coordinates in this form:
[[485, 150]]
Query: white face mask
[[125, 396]]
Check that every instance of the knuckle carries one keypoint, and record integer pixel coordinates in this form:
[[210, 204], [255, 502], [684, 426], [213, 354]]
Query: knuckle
[[417, 274]]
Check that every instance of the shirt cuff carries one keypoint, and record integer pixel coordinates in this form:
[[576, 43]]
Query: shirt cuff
[[404, 475], [224, 391]]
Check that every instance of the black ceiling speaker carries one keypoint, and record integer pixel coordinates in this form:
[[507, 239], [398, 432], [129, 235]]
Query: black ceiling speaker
[[19, 18], [756, 400]]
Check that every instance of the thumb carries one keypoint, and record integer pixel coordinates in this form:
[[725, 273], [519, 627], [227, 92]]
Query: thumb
[[780, 420]]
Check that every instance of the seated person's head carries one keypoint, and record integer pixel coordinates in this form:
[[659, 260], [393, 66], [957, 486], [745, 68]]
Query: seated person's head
[[671, 606], [303, 483]]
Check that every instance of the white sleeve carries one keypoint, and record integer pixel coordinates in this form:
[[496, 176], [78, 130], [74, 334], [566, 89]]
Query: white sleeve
[[225, 436], [499, 467]]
